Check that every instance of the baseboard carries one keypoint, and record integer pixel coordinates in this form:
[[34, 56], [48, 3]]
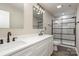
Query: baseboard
[[76, 51]]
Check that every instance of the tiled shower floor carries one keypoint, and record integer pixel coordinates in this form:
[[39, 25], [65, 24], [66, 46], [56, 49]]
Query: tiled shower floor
[[64, 51]]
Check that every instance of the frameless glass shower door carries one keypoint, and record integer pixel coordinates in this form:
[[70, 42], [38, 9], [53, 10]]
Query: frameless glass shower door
[[64, 31]]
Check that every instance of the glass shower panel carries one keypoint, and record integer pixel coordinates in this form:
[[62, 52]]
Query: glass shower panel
[[68, 20], [68, 31], [66, 42], [57, 25], [64, 31], [56, 31], [57, 36], [68, 25], [57, 41], [68, 37]]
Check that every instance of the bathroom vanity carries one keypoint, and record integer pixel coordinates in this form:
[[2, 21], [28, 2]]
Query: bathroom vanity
[[28, 45]]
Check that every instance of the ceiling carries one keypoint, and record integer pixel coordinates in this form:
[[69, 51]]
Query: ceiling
[[67, 8], [20, 6]]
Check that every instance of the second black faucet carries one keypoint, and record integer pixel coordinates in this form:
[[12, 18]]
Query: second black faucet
[[8, 37]]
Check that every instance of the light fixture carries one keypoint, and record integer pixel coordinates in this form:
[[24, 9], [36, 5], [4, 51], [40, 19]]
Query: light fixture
[[34, 8], [38, 13], [64, 17], [43, 11], [59, 6], [40, 8]]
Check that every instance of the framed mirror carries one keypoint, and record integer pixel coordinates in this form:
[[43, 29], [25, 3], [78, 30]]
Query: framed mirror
[[37, 18]]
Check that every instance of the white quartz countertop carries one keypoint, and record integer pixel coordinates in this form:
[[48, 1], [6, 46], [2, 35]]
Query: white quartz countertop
[[21, 42]]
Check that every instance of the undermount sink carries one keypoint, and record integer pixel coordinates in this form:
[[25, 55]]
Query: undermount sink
[[21, 43], [10, 47]]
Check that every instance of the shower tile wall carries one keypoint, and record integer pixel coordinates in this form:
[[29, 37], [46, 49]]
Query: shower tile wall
[[64, 31]]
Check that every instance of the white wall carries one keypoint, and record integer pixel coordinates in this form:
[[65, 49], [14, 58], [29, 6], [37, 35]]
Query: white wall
[[28, 23], [77, 30], [47, 18], [15, 15]]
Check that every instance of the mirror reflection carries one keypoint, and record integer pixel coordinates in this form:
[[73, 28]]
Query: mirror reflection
[[37, 18]]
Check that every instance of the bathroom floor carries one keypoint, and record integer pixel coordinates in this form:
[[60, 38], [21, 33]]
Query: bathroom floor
[[64, 51]]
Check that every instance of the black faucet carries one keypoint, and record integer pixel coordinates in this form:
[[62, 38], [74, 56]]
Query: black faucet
[[41, 32], [8, 37], [1, 41]]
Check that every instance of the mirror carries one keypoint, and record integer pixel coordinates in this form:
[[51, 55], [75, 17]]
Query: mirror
[[37, 18], [4, 19], [11, 15]]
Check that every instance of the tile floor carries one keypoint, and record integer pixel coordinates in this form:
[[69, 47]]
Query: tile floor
[[64, 51]]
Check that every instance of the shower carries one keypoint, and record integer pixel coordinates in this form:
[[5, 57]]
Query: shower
[[64, 30]]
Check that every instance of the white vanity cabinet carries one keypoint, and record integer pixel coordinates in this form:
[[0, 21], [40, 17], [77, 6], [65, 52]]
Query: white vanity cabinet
[[42, 48]]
